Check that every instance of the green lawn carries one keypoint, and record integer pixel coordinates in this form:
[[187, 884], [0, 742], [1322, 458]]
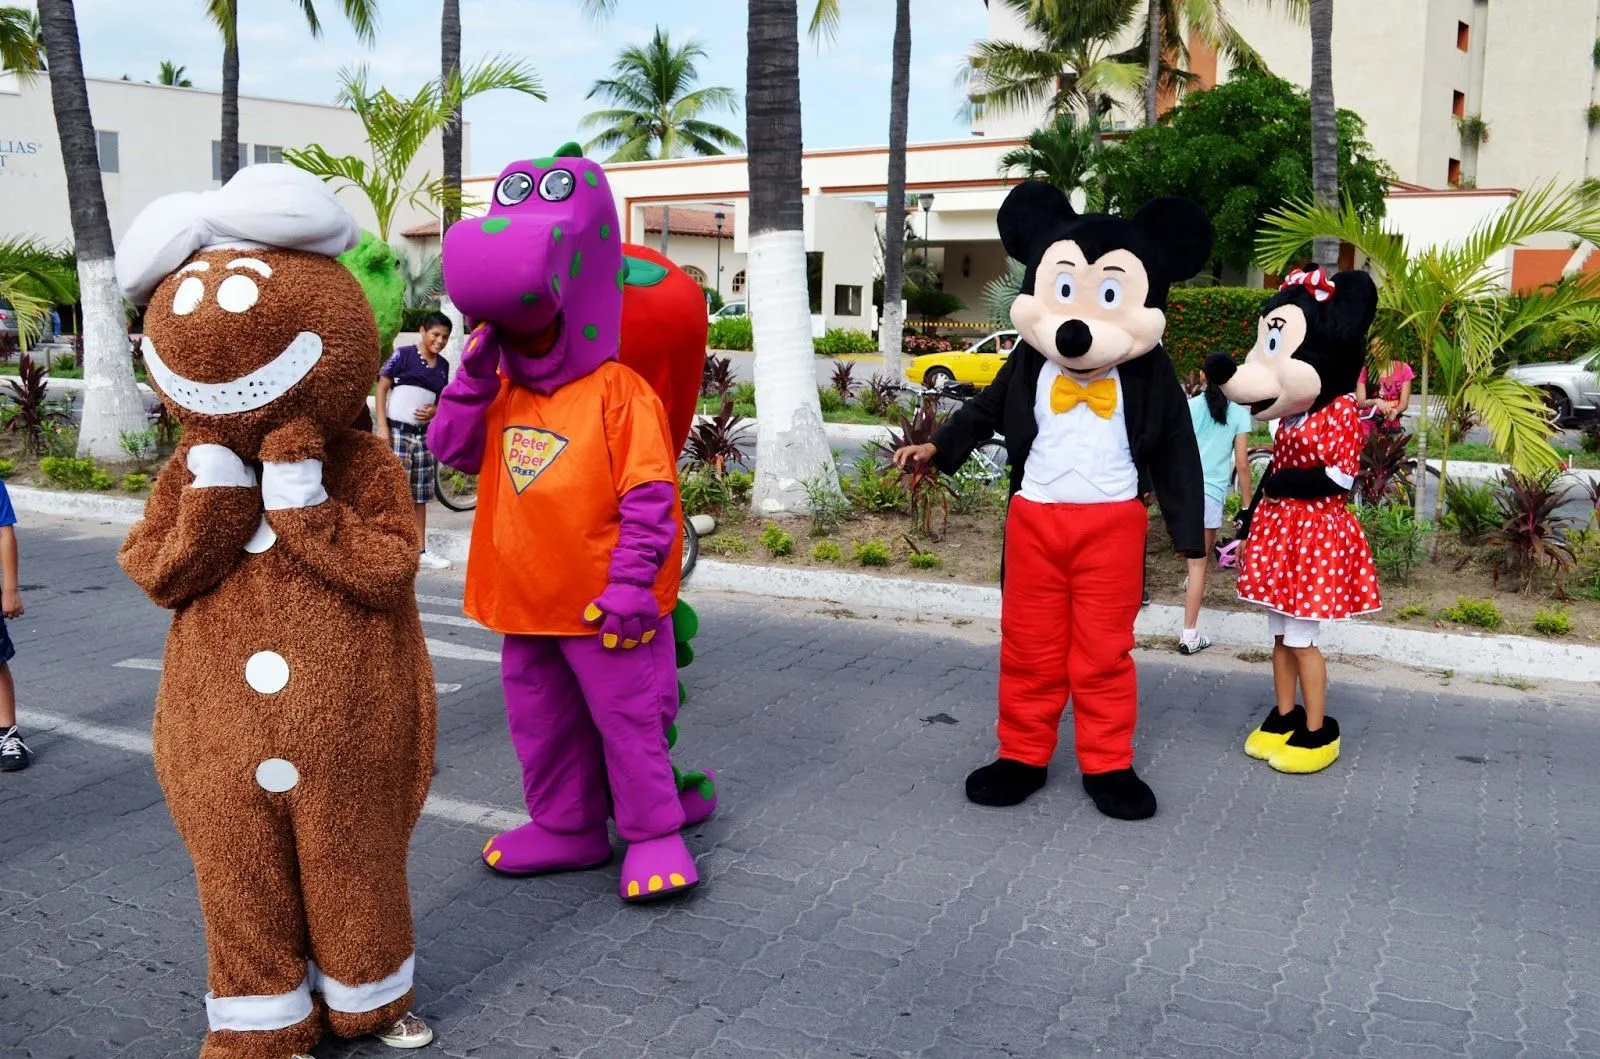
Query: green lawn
[[710, 406], [1473, 452], [10, 368]]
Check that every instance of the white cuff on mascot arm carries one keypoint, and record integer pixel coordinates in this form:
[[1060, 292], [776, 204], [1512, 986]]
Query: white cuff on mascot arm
[[218, 467], [292, 485]]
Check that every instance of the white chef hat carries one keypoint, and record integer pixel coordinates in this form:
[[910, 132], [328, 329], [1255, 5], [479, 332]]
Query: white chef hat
[[273, 205]]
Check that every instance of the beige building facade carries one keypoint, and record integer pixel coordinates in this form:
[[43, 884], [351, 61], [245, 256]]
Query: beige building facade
[[1414, 69], [155, 140]]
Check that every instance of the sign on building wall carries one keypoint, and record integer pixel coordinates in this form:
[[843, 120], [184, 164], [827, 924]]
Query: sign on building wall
[[16, 156]]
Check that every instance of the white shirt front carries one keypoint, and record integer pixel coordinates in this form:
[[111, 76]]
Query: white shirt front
[[1078, 457]]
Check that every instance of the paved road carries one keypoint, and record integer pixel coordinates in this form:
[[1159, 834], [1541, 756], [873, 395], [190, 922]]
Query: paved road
[[1432, 894]]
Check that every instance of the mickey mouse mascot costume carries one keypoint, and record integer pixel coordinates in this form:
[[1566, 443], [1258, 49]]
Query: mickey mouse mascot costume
[[1306, 558], [1091, 408]]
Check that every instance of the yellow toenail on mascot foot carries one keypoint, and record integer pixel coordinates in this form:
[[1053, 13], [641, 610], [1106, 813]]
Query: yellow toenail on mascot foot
[[633, 888], [656, 883], [628, 645], [591, 613], [676, 879], [648, 637], [494, 858], [609, 640], [487, 844]]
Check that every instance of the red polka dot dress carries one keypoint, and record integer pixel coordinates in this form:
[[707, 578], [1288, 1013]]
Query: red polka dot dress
[[1309, 559]]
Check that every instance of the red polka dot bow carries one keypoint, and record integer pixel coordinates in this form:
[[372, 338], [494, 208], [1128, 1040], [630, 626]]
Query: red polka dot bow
[[1316, 281]]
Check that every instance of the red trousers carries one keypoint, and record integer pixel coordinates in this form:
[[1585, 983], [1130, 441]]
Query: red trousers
[[1073, 580]]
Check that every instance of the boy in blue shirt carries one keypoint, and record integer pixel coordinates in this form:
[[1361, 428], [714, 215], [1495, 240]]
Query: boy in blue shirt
[[14, 755]]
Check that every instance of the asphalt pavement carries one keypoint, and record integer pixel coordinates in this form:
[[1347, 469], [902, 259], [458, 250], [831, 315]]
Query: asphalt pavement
[[1434, 893]]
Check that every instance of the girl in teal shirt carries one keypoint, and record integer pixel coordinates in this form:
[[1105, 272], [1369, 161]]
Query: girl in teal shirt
[[1221, 429]]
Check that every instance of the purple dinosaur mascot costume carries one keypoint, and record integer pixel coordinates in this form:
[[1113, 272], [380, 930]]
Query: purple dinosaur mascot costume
[[576, 548]]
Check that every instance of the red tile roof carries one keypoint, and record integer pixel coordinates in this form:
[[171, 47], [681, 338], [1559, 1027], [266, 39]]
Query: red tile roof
[[426, 230], [687, 221]]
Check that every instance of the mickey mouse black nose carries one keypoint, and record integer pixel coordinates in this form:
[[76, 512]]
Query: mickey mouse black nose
[[1073, 339]]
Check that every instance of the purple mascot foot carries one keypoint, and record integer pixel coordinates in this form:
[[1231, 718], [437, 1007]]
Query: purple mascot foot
[[531, 850], [657, 868], [699, 799]]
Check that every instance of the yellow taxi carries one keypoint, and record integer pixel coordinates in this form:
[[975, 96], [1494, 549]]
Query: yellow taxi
[[976, 365]]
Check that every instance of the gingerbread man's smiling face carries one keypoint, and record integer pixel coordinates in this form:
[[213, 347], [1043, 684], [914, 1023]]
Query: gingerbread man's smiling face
[[241, 341]]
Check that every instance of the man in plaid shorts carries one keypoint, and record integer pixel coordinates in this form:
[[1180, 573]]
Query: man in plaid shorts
[[408, 396]]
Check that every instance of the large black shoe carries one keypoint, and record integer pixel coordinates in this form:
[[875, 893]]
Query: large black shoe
[[1121, 795], [1004, 783], [14, 753]]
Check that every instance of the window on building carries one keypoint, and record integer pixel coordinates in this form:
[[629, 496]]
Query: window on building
[[814, 281], [266, 154], [695, 274], [738, 282], [1463, 37], [216, 158], [1458, 104], [109, 150], [846, 300], [1453, 176]]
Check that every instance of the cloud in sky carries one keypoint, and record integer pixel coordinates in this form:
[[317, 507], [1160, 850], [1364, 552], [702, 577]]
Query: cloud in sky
[[844, 86]]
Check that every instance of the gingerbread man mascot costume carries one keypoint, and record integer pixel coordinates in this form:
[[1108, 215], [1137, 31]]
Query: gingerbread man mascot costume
[[1090, 407], [294, 726], [576, 548]]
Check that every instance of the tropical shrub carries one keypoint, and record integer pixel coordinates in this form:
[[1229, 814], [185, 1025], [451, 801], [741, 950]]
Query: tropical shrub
[[917, 345], [1398, 541], [873, 553], [71, 473], [830, 401], [874, 487], [878, 396], [717, 442], [1385, 474], [925, 561], [1530, 530], [33, 414], [1475, 507], [827, 552], [138, 445], [840, 342], [843, 380], [716, 378], [8, 468], [1479, 613], [135, 483], [928, 490], [930, 303], [731, 332], [777, 542], [829, 508], [1552, 621]]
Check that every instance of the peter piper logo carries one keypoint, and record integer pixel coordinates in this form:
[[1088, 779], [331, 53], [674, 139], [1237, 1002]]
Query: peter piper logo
[[529, 452]]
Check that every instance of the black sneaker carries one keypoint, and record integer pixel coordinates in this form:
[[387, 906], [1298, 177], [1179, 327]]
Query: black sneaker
[[1145, 601], [14, 754]]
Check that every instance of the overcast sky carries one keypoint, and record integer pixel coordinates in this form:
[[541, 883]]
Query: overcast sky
[[844, 87]]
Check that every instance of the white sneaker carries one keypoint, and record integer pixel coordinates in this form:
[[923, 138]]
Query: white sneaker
[[409, 1032], [1194, 646], [431, 561]]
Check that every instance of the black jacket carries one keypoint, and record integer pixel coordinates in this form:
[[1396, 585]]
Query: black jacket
[[1160, 435]]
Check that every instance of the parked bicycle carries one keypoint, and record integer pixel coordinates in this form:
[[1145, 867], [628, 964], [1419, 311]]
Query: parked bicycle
[[989, 461], [459, 492]]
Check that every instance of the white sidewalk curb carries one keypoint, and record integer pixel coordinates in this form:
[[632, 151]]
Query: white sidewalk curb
[[1487, 656]]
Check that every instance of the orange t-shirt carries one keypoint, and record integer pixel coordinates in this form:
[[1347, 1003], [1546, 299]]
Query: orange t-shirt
[[554, 469]]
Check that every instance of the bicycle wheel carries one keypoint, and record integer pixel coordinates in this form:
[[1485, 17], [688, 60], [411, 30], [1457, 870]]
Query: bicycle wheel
[[988, 462], [691, 549], [455, 490]]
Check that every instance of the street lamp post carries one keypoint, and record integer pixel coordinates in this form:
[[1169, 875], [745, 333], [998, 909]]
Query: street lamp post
[[926, 201], [720, 218]]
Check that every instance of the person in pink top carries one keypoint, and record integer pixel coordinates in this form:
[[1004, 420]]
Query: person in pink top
[[1381, 405]]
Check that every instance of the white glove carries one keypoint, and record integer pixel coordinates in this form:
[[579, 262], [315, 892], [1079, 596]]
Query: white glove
[[217, 466], [292, 485]]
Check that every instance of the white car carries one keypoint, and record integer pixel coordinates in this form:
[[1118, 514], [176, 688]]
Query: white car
[[730, 311], [1572, 388]]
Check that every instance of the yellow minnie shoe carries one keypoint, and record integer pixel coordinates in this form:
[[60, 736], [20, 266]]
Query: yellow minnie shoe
[[1307, 752], [1274, 732]]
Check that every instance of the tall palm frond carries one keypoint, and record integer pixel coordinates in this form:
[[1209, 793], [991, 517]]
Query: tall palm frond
[[173, 75], [655, 109], [21, 45], [424, 280], [33, 277], [1063, 154], [1073, 66]]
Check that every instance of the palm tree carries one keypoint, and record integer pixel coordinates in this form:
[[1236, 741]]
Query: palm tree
[[224, 14], [1062, 153], [173, 75], [450, 67], [792, 445], [891, 333], [111, 402], [397, 129], [1071, 68], [33, 277], [21, 45], [1175, 22], [1447, 304], [1324, 128]]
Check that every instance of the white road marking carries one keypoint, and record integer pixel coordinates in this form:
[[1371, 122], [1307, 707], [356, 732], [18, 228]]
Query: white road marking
[[452, 809], [446, 649], [451, 619], [439, 601], [153, 665]]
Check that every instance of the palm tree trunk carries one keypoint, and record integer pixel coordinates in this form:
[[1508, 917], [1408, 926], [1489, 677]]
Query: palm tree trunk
[[450, 65], [891, 333], [1324, 126], [230, 94], [111, 401], [791, 447], [1152, 77]]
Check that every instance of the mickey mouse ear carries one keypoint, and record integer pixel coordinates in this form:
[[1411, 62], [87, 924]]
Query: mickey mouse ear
[[1029, 213], [1181, 232]]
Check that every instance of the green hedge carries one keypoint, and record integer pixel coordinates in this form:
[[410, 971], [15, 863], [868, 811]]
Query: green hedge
[[1206, 320], [731, 333], [840, 341]]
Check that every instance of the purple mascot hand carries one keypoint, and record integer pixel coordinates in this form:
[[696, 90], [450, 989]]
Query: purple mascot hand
[[627, 615], [480, 357]]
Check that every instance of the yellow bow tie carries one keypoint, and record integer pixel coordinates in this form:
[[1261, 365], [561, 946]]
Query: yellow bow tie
[[1100, 395]]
